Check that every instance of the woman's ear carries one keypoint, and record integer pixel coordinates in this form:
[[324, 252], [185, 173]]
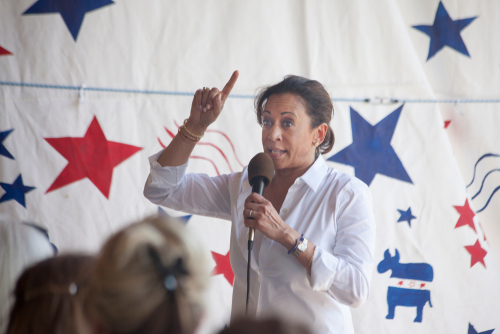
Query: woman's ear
[[321, 133]]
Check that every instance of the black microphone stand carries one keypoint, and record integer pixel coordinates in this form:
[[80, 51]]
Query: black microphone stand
[[258, 185], [250, 246]]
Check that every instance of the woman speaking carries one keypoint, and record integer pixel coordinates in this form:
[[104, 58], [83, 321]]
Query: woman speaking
[[315, 230]]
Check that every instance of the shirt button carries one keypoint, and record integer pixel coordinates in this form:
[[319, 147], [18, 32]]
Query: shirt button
[[285, 210]]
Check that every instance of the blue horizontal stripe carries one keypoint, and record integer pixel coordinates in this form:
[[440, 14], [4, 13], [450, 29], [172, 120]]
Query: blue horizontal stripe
[[239, 96]]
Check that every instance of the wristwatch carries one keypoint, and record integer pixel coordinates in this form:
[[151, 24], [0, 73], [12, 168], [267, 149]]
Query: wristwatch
[[300, 248]]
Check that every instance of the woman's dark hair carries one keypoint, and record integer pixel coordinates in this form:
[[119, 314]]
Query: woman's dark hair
[[48, 296], [272, 325], [318, 104]]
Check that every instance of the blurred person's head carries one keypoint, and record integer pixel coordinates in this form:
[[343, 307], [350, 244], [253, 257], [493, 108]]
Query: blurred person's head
[[148, 278], [265, 326], [48, 297], [21, 245]]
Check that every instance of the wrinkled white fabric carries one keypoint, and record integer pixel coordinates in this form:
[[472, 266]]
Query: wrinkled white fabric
[[332, 209]]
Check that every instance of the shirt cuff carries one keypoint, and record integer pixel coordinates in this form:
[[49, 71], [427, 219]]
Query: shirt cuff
[[323, 269], [164, 177]]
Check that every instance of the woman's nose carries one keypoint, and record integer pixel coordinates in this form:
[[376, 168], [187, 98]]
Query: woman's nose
[[275, 133]]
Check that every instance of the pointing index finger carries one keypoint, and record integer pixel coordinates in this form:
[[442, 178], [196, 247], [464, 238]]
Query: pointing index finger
[[230, 84]]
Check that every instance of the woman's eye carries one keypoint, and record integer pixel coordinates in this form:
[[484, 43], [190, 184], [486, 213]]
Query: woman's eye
[[287, 124], [266, 122]]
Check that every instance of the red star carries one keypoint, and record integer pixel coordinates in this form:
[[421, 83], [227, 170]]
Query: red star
[[4, 52], [477, 253], [466, 215], [446, 124], [91, 157], [223, 266]]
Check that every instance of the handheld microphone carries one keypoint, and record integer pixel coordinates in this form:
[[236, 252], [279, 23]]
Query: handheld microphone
[[260, 174]]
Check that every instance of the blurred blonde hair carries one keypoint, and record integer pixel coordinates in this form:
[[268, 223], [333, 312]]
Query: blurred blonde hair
[[127, 293]]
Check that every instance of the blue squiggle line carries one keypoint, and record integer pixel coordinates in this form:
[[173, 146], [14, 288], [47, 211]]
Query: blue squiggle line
[[481, 158], [482, 183], [489, 199]]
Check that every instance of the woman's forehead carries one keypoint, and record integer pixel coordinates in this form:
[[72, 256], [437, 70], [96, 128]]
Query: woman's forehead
[[285, 104]]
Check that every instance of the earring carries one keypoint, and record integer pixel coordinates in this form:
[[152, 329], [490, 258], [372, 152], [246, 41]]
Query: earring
[[316, 144]]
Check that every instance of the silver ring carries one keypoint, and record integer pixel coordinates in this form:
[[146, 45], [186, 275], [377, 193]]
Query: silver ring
[[251, 213]]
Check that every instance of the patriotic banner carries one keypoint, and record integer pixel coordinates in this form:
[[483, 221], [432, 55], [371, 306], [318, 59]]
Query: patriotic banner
[[90, 88]]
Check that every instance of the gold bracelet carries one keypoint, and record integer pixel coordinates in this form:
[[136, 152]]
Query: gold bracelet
[[312, 257], [189, 132], [186, 135]]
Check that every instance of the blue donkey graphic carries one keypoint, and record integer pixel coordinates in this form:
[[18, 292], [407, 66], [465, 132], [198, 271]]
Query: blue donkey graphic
[[406, 297]]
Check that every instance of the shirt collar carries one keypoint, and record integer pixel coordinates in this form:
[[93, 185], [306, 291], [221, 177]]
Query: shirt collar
[[314, 174], [312, 177]]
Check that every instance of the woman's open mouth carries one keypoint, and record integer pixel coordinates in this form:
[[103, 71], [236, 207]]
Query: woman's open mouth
[[275, 153]]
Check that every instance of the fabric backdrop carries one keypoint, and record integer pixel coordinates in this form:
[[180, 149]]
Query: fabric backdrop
[[90, 88]]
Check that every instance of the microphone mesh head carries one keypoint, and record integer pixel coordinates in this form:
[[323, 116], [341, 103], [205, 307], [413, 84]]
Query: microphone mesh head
[[261, 165]]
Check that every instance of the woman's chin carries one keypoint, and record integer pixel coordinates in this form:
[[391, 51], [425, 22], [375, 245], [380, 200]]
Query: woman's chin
[[279, 159], [279, 163]]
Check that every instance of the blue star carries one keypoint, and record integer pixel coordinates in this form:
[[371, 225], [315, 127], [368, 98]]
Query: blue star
[[406, 216], [15, 191], [185, 219], [162, 213], [72, 11], [473, 331], [371, 151], [445, 32], [3, 150]]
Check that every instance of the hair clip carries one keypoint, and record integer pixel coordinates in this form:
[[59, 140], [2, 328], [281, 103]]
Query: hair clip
[[72, 289], [170, 274]]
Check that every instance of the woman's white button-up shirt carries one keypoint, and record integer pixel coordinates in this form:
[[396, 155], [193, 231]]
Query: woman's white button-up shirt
[[332, 209]]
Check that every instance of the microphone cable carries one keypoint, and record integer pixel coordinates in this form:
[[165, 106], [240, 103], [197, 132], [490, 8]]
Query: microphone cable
[[250, 246]]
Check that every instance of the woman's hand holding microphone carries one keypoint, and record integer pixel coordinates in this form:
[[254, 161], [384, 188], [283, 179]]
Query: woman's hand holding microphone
[[260, 214]]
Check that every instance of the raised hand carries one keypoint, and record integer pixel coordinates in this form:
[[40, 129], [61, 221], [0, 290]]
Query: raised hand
[[208, 104]]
